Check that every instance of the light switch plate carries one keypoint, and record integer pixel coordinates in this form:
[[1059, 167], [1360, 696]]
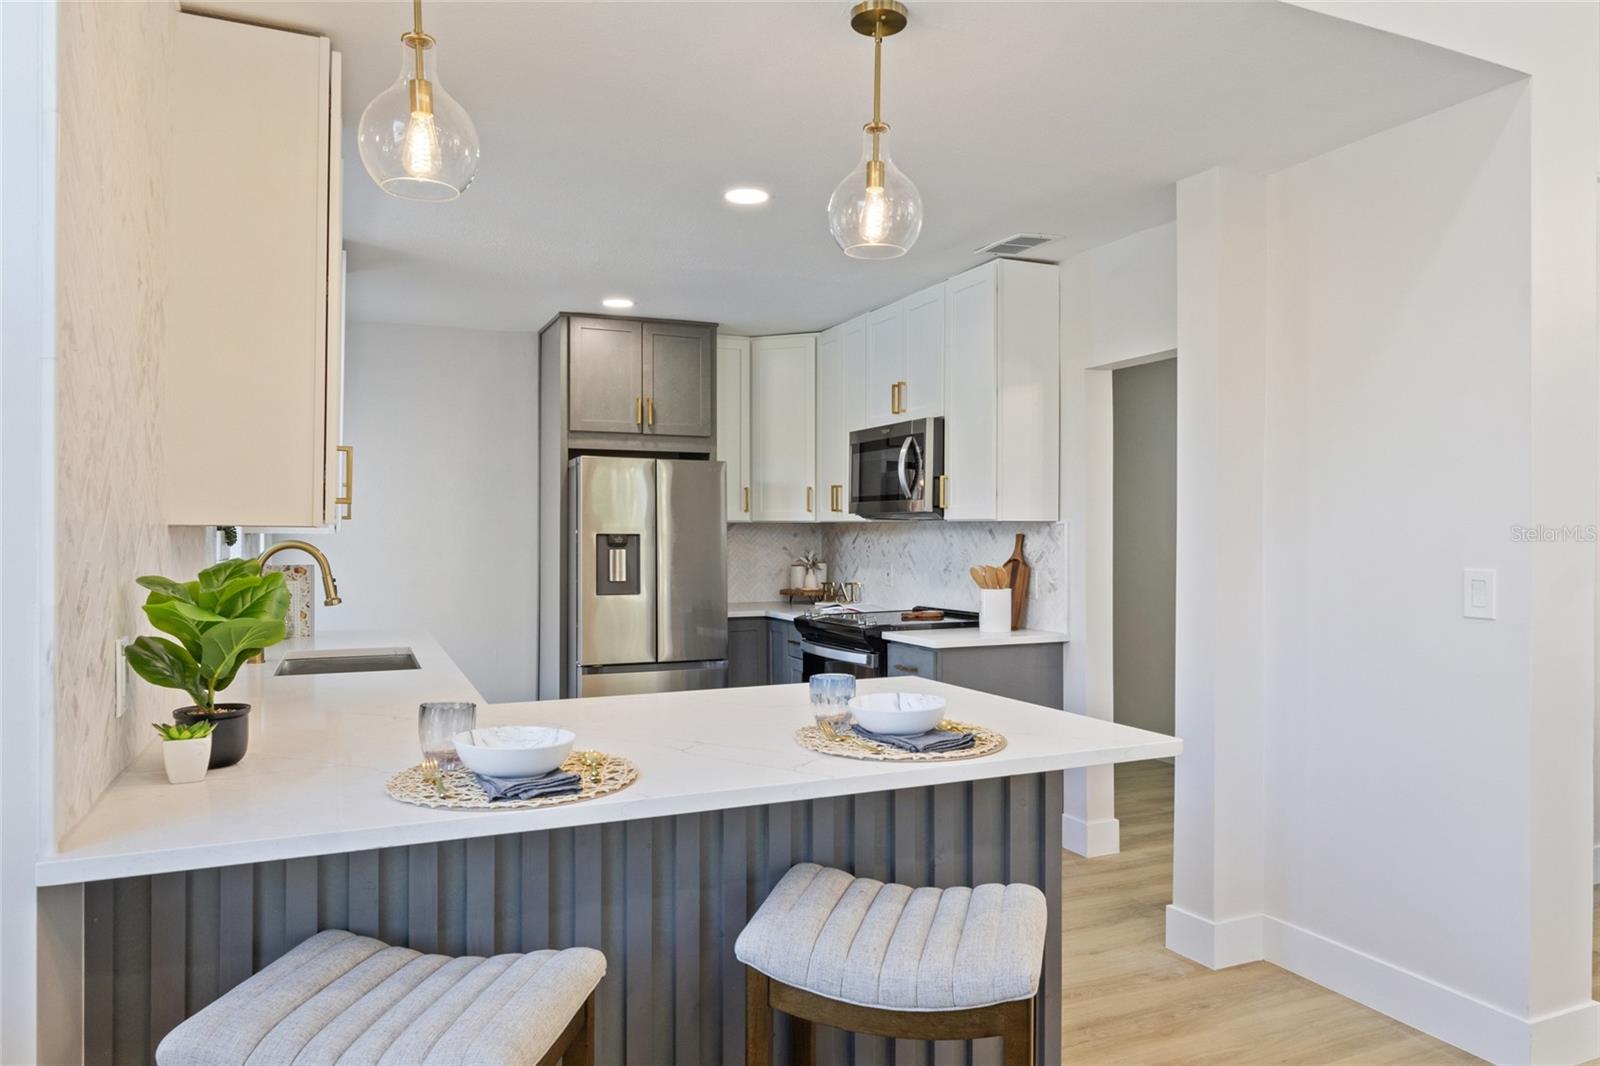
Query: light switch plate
[[1478, 593], [120, 671]]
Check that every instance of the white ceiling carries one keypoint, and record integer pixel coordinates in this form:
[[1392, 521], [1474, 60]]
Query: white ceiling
[[611, 130]]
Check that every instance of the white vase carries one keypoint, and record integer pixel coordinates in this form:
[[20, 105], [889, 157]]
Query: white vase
[[994, 610], [186, 759], [797, 576]]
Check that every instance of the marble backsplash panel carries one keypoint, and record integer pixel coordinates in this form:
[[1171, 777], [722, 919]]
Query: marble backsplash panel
[[759, 557], [114, 88], [901, 564]]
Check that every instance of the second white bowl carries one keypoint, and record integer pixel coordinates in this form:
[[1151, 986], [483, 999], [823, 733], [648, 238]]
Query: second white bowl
[[898, 713], [514, 750]]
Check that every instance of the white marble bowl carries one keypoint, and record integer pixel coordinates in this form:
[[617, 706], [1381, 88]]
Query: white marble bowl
[[514, 750], [898, 713]]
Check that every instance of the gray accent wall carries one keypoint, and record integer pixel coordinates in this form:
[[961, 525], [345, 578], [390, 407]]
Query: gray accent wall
[[663, 898], [1144, 542]]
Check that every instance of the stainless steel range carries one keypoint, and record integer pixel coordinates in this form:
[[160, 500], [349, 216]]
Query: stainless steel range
[[852, 642]]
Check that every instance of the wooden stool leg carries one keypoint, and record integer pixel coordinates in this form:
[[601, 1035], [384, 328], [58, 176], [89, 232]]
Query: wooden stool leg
[[1018, 1033], [757, 1018], [581, 1051], [802, 1042]]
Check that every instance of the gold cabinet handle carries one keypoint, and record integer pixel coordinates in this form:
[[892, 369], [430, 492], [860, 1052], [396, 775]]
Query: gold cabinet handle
[[894, 398], [638, 410], [649, 410], [944, 490], [834, 492], [346, 501], [903, 404], [808, 499], [747, 499]]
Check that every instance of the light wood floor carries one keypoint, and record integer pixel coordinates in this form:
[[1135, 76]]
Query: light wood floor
[[1127, 999]]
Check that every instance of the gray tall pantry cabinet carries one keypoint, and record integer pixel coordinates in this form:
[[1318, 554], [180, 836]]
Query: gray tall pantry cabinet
[[613, 385]]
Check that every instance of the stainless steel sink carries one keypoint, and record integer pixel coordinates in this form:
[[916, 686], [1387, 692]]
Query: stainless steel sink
[[347, 661]]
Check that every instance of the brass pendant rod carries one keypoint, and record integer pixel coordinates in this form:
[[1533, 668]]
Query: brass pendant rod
[[419, 36], [877, 87]]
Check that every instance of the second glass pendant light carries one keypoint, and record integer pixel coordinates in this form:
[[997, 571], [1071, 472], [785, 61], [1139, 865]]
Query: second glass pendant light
[[876, 212], [416, 141]]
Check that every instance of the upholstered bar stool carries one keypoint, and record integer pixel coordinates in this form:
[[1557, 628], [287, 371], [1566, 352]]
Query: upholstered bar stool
[[888, 960], [338, 997]]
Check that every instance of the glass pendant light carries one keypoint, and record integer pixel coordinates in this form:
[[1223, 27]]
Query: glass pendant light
[[876, 213], [415, 140]]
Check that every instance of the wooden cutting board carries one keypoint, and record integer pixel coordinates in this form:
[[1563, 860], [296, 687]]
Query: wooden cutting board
[[1019, 573]]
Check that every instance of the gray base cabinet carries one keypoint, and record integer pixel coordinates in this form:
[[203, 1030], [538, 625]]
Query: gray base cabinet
[[783, 654], [747, 652], [1030, 672]]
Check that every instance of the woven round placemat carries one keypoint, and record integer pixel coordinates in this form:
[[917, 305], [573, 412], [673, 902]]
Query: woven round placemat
[[602, 775], [811, 737]]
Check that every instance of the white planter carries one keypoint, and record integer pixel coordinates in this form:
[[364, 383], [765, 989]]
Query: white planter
[[797, 575], [186, 759]]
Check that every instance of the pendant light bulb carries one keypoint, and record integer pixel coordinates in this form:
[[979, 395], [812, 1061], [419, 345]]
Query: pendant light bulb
[[416, 141], [881, 217], [422, 146]]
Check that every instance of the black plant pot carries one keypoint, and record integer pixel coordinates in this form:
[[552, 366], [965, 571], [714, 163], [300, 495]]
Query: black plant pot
[[230, 733]]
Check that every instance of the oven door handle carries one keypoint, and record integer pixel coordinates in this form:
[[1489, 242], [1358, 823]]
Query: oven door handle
[[841, 655], [905, 454]]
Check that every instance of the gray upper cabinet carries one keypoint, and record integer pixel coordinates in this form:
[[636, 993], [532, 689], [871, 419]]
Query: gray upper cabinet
[[605, 376], [638, 384], [679, 379]]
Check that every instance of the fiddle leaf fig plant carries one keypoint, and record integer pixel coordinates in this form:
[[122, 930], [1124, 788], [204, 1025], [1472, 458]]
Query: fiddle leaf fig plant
[[220, 619]]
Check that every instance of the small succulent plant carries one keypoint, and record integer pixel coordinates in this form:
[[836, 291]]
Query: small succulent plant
[[184, 730]]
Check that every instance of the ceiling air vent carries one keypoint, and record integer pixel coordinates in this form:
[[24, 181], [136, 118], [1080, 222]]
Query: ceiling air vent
[[1017, 243]]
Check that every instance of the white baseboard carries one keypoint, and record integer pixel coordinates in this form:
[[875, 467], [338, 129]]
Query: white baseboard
[[1566, 1036], [1101, 836], [1214, 944]]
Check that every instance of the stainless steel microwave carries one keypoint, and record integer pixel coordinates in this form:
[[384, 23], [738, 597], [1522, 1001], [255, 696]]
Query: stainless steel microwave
[[896, 470]]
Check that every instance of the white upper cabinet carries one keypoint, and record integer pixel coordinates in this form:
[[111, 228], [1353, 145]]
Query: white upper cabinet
[[254, 319], [886, 364], [733, 421], [905, 359], [783, 424], [1003, 381], [922, 383], [841, 407]]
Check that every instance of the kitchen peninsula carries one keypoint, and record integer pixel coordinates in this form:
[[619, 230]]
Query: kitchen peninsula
[[203, 884]]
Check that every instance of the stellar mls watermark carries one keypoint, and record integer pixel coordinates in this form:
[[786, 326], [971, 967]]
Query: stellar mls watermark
[[1540, 533]]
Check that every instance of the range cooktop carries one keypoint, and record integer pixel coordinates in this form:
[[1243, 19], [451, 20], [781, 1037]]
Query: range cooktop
[[873, 622]]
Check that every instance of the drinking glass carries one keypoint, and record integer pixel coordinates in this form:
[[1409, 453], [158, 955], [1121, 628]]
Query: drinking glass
[[830, 702], [437, 725]]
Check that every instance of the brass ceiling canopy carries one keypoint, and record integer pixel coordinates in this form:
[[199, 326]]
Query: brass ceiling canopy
[[878, 18]]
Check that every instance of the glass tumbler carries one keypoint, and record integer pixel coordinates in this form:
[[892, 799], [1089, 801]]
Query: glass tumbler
[[830, 702], [437, 725]]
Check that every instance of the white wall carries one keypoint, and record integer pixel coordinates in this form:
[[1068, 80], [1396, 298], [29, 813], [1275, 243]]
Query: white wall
[[1117, 307], [1429, 383], [445, 530], [1144, 532]]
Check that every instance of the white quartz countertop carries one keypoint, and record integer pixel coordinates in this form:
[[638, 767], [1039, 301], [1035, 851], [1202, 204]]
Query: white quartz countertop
[[779, 609], [971, 637], [321, 748]]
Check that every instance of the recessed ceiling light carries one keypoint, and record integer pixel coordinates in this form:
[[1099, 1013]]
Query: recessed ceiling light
[[620, 303], [746, 196]]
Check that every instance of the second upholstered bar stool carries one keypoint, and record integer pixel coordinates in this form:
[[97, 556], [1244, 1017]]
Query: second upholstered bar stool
[[889, 960]]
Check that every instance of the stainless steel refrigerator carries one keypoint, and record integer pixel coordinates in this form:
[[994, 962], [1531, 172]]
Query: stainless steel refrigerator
[[649, 575]]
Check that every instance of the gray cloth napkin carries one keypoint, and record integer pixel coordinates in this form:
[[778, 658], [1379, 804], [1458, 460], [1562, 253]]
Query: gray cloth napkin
[[934, 740], [554, 783]]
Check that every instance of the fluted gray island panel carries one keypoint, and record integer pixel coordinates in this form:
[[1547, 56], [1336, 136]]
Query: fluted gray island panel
[[663, 898]]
